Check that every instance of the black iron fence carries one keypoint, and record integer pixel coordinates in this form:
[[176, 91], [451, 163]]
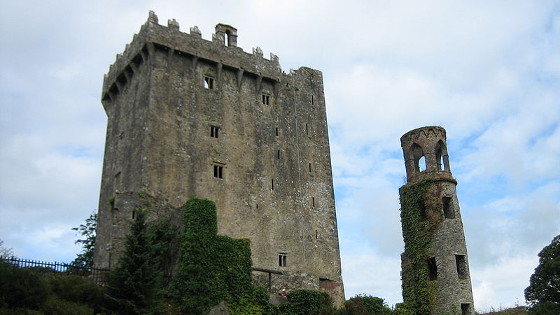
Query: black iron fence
[[96, 274]]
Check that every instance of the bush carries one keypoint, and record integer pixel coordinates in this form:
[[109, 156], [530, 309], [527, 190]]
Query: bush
[[75, 289], [40, 291], [545, 308], [366, 305], [54, 306], [19, 311], [307, 302], [21, 287]]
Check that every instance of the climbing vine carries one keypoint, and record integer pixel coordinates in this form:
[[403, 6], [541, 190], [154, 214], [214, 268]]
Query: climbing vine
[[213, 268], [420, 215]]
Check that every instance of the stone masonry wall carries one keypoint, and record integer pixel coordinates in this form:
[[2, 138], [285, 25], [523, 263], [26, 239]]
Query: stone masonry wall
[[267, 168]]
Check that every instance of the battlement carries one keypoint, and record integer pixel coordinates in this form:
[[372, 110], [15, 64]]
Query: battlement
[[222, 51], [425, 154]]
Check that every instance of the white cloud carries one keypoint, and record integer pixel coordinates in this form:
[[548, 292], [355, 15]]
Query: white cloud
[[486, 71], [500, 282], [367, 272]]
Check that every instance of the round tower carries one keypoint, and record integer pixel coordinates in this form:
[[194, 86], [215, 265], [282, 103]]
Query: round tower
[[435, 269]]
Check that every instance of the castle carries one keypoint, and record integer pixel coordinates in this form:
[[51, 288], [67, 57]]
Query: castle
[[191, 117], [435, 269]]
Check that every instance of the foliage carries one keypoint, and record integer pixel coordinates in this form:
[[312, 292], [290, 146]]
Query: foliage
[[306, 302], [213, 268], [32, 291], [420, 216], [404, 309], [131, 287], [543, 292], [21, 287], [164, 242], [4, 251], [366, 305], [518, 310], [56, 306], [545, 308], [75, 289], [87, 231]]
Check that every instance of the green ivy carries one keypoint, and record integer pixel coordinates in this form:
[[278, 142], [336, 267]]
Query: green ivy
[[212, 268], [420, 215], [306, 302], [112, 203]]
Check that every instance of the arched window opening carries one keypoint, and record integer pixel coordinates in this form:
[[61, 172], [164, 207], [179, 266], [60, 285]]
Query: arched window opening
[[418, 157], [442, 158], [422, 163]]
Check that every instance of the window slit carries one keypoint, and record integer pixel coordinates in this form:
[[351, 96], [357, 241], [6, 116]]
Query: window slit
[[432, 268]]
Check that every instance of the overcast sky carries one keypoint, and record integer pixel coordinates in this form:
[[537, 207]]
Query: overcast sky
[[487, 71]]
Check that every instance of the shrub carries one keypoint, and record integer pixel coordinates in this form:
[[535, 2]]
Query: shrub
[[75, 289], [545, 308], [54, 306], [306, 302], [366, 305], [21, 287]]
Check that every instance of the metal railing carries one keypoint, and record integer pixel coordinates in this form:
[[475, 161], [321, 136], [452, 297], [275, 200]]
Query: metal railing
[[96, 274]]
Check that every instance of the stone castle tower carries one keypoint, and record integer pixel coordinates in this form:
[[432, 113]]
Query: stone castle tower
[[192, 117], [435, 269]]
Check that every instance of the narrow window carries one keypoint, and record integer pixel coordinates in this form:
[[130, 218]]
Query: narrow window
[[218, 171], [309, 167], [466, 308], [227, 39], [282, 259], [417, 154], [266, 99], [278, 154], [448, 212], [313, 202], [422, 163], [312, 101], [316, 234], [272, 184], [133, 214], [214, 131], [432, 268], [307, 129], [461, 266], [208, 83], [277, 131]]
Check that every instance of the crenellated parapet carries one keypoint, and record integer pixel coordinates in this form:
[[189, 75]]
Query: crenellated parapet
[[221, 51], [425, 153], [188, 116]]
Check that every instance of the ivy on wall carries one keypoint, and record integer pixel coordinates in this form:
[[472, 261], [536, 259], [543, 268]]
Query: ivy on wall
[[213, 268], [420, 216]]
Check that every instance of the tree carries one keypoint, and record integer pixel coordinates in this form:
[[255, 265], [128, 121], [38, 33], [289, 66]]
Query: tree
[[84, 260], [133, 285], [543, 292], [5, 252], [366, 305]]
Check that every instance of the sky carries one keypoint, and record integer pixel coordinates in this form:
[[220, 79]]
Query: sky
[[486, 71]]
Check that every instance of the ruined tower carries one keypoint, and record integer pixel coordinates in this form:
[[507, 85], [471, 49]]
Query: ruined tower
[[435, 269], [193, 117]]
